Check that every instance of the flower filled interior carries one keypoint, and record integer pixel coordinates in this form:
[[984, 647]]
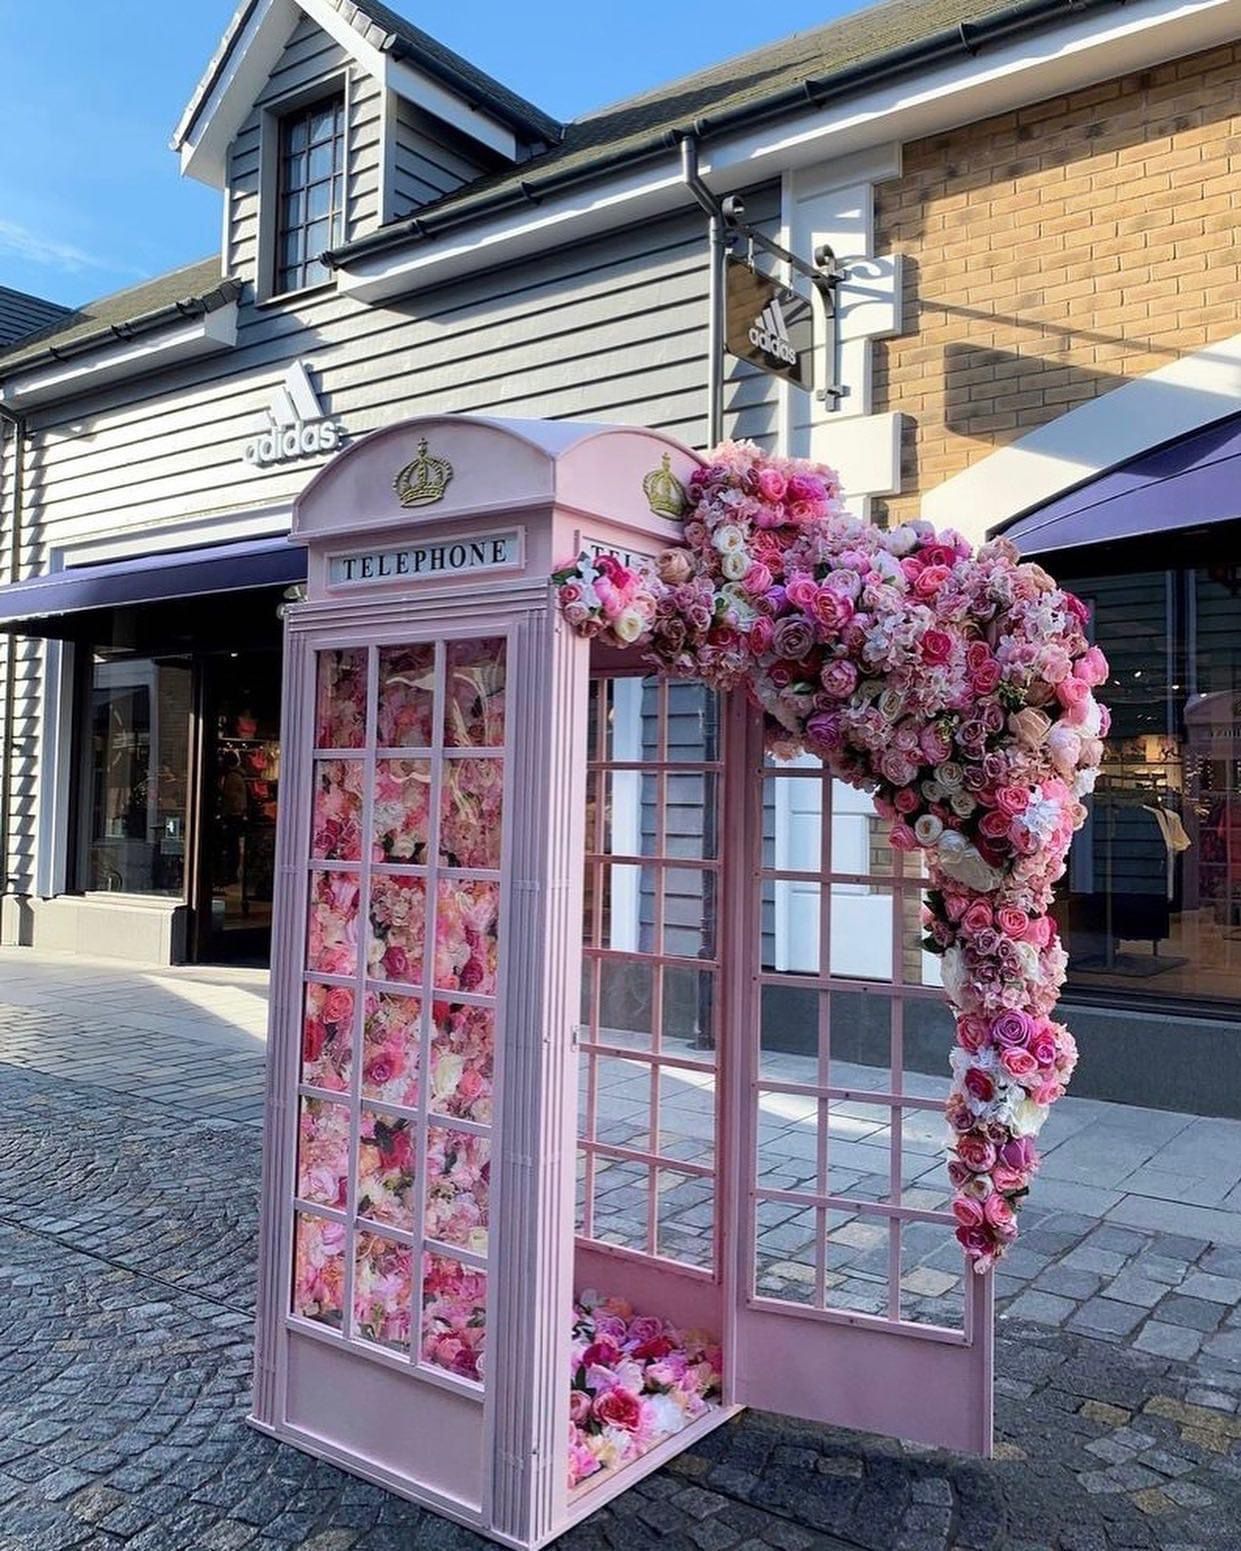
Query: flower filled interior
[[635, 1380]]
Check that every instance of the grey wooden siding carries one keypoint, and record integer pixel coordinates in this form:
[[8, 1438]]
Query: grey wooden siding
[[611, 330], [428, 159]]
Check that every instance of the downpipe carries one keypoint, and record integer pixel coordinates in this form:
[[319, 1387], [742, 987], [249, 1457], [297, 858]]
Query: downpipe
[[17, 425]]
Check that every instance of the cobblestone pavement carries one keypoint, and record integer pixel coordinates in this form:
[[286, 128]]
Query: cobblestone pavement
[[127, 1226]]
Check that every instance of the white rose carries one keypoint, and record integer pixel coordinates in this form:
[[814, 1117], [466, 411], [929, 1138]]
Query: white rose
[[1028, 1117], [962, 804], [950, 775], [734, 564], [628, 625], [928, 829], [952, 846], [728, 538], [933, 791], [952, 973], [901, 541]]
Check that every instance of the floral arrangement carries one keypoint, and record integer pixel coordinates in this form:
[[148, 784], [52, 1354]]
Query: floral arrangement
[[636, 1380], [958, 688]]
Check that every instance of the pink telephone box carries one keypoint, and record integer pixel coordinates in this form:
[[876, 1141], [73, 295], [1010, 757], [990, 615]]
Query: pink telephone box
[[588, 1025]]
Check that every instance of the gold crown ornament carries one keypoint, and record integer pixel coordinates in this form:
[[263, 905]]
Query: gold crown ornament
[[423, 481], [665, 494]]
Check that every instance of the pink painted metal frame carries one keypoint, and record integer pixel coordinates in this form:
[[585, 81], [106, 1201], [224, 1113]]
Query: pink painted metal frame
[[492, 1455]]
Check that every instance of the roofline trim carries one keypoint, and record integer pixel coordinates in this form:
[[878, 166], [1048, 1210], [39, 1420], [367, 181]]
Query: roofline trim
[[265, 25], [965, 40], [187, 308]]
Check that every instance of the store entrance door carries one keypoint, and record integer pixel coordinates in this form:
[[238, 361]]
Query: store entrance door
[[240, 778]]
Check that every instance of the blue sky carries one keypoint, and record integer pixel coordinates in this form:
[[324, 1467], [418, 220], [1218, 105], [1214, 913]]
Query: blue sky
[[90, 196]]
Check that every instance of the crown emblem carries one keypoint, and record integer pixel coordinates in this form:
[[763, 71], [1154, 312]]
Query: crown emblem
[[424, 481], [665, 493]]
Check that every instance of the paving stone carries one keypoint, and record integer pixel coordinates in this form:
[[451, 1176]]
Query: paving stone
[[1162, 1340], [1194, 1313], [1104, 1315], [1129, 1287], [1218, 1289], [1068, 1283], [1042, 1307], [1107, 1262]]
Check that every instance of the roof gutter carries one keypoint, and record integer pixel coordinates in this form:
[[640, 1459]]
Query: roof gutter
[[967, 38], [173, 312]]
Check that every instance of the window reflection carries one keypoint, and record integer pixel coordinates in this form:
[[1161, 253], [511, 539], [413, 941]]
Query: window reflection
[[1151, 905], [137, 775]]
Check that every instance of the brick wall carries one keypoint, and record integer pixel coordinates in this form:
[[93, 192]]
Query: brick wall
[[1054, 252]]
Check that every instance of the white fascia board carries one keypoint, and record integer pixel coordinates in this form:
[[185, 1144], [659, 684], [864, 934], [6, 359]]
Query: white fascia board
[[252, 58], [425, 92], [152, 352], [504, 241], [1093, 47], [1168, 403]]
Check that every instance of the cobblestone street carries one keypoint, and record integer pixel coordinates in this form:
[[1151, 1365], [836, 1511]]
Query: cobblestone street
[[127, 1228]]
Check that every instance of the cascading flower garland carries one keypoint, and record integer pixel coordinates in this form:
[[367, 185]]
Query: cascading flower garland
[[956, 687]]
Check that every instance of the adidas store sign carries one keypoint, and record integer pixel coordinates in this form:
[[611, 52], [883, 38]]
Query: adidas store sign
[[767, 324], [297, 427], [770, 333]]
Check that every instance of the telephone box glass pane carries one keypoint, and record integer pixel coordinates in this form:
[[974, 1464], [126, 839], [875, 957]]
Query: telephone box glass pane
[[386, 1168], [454, 1316], [336, 819], [402, 814], [319, 1269], [462, 1059], [474, 695], [390, 1048], [398, 928], [332, 929], [470, 813], [458, 1188], [466, 935], [323, 1153], [406, 696], [382, 1290], [327, 1037], [340, 699]]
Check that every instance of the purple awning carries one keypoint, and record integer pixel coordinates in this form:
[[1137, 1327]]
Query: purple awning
[[25, 607], [1183, 484]]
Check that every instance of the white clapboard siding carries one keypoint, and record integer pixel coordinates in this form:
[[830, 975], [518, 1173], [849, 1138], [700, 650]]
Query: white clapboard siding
[[429, 159]]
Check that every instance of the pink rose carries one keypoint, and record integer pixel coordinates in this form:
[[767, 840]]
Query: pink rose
[[618, 1408], [976, 1152], [1012, 800], [972, 1031], [802, 590], [579, 1407], [1012, 922], [772, 485], [839, 678], [977, 916], [1091, 667], [570, 592], [1072, 692], [936, 646], [969, 1214], [998, 1211], [1043, 1048], [832, 609], [902, 837], [930, 579], [757, 580], [907, 800], [1019, 1063]]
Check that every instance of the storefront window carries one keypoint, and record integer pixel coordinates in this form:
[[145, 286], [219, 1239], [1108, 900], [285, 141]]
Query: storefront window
[[137, 775], [1151, 906]]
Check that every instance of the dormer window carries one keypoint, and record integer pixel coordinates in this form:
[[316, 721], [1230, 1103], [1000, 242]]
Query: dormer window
[[311, 197]]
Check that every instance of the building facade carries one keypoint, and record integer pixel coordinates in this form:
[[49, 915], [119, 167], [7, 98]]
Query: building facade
[[1033, 208]]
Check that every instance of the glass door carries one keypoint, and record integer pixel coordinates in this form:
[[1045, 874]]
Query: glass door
[[238, 798]]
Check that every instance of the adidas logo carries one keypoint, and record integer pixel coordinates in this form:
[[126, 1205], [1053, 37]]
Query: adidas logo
[[770, 333], [297, 427]]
